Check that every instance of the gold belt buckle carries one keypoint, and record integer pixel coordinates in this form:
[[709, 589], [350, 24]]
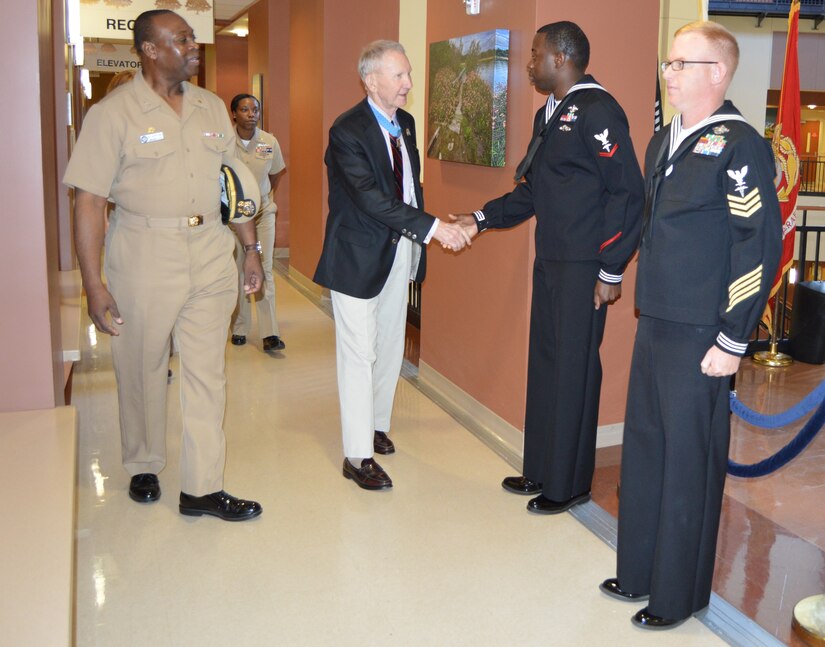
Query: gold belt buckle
[[195, 221]]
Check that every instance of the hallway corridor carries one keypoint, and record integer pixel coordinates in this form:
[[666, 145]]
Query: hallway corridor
[[445, 558]]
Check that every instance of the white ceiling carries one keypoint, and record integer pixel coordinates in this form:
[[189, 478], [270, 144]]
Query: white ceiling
[[228, 9]]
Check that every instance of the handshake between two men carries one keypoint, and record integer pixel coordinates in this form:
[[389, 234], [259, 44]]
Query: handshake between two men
[[458, 233]]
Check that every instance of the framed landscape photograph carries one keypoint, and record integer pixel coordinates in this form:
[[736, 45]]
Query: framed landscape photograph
[[467, 114]]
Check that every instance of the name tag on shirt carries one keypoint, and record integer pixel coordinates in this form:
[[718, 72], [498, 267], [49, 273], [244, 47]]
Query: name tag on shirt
[[213, 135], [151, 137]]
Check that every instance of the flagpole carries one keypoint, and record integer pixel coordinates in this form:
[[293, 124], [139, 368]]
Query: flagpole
[[785, 144], [773, 358]]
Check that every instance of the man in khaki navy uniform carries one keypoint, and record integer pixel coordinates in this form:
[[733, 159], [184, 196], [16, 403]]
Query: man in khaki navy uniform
[[710, 248], [155, 147]]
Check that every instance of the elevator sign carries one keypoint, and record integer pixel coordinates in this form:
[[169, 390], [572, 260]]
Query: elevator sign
[[115, 19], [109, 57]]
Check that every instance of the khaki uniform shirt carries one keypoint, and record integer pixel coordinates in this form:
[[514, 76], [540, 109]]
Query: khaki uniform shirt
[[137, 151], [264, 158]]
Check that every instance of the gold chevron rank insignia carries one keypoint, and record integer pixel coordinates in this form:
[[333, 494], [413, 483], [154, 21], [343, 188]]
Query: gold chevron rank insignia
[[744, 287], [745, 206]]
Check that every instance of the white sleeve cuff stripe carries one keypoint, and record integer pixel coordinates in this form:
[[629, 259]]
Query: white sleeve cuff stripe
[[606, 277], [479, 215], [735, 347]]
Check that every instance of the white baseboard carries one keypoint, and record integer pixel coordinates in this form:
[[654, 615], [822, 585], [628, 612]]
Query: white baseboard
[[495, 432]]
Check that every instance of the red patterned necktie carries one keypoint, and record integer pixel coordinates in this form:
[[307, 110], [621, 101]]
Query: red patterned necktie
[[397, 166]]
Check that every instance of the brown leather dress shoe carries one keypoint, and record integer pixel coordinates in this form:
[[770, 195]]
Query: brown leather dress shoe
[[369, 476], [382, 443]]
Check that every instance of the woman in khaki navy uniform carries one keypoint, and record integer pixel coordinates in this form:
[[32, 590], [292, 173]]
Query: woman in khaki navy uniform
[[155, 148], [262, 155]]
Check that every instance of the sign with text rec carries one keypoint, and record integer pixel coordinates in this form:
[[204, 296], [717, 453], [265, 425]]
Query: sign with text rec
[[109, 57], [115, 19]]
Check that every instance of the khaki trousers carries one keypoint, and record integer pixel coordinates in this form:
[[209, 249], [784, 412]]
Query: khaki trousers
[[267, 323], [172, 281], [369, 343]]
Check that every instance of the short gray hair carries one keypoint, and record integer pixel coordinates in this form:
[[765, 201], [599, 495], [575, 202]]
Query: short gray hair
[[372, 54]]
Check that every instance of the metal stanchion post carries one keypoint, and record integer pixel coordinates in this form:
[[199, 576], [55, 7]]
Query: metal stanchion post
[[773, 358]]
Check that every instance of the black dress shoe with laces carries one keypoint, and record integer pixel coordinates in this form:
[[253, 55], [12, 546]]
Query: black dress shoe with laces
[[219, 504], [646, 620], [382, 444], [273, 343], [542, 505], [144, 488], [369, 476], [520, 485], [238, 340], [611, 587]]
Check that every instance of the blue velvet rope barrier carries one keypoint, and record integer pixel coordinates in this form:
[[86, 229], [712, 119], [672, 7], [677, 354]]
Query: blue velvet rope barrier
[[795, 446], [805, 406]]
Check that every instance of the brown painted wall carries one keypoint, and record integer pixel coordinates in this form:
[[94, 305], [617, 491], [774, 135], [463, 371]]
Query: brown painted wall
[[306, 97], [325, 41], [475, 306], [230, 67], [31, 374], [268, 42]]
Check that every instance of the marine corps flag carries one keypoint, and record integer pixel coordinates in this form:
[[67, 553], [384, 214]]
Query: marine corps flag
[[785, 142]]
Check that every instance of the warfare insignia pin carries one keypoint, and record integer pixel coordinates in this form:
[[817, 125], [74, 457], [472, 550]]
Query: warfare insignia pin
[[565, 128], [721, 129]]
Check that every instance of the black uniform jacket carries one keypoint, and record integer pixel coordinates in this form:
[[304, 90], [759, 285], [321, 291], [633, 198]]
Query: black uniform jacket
[[366, 219], [584, 185], [711, 246]]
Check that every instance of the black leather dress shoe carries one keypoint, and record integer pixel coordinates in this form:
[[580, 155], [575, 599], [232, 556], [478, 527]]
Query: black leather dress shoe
[[543, 505], [144, 488], [273, 343], [520, 485], [646, 620], [238, 340], [369, 476], [219, 504], [611, 587], [382, 444]]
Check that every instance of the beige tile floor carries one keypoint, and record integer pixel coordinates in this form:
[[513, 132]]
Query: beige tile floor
[[445, 558]]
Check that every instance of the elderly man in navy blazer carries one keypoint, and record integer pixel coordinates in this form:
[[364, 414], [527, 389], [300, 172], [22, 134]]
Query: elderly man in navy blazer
[[375, 241]]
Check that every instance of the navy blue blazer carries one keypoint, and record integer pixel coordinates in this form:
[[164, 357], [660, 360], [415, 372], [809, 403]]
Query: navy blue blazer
[[366, 218]]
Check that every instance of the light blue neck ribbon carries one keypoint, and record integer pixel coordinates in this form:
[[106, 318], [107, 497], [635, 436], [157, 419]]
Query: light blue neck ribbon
[[392, 128]]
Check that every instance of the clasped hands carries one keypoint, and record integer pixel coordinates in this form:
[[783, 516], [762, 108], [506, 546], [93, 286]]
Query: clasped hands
[[457, 233]]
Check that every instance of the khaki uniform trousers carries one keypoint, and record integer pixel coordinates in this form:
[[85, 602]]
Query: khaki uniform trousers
[[267, 323], [170, 279], [369, 344]]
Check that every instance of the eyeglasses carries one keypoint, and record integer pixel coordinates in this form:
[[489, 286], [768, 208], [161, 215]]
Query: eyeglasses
[[678, 65]]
